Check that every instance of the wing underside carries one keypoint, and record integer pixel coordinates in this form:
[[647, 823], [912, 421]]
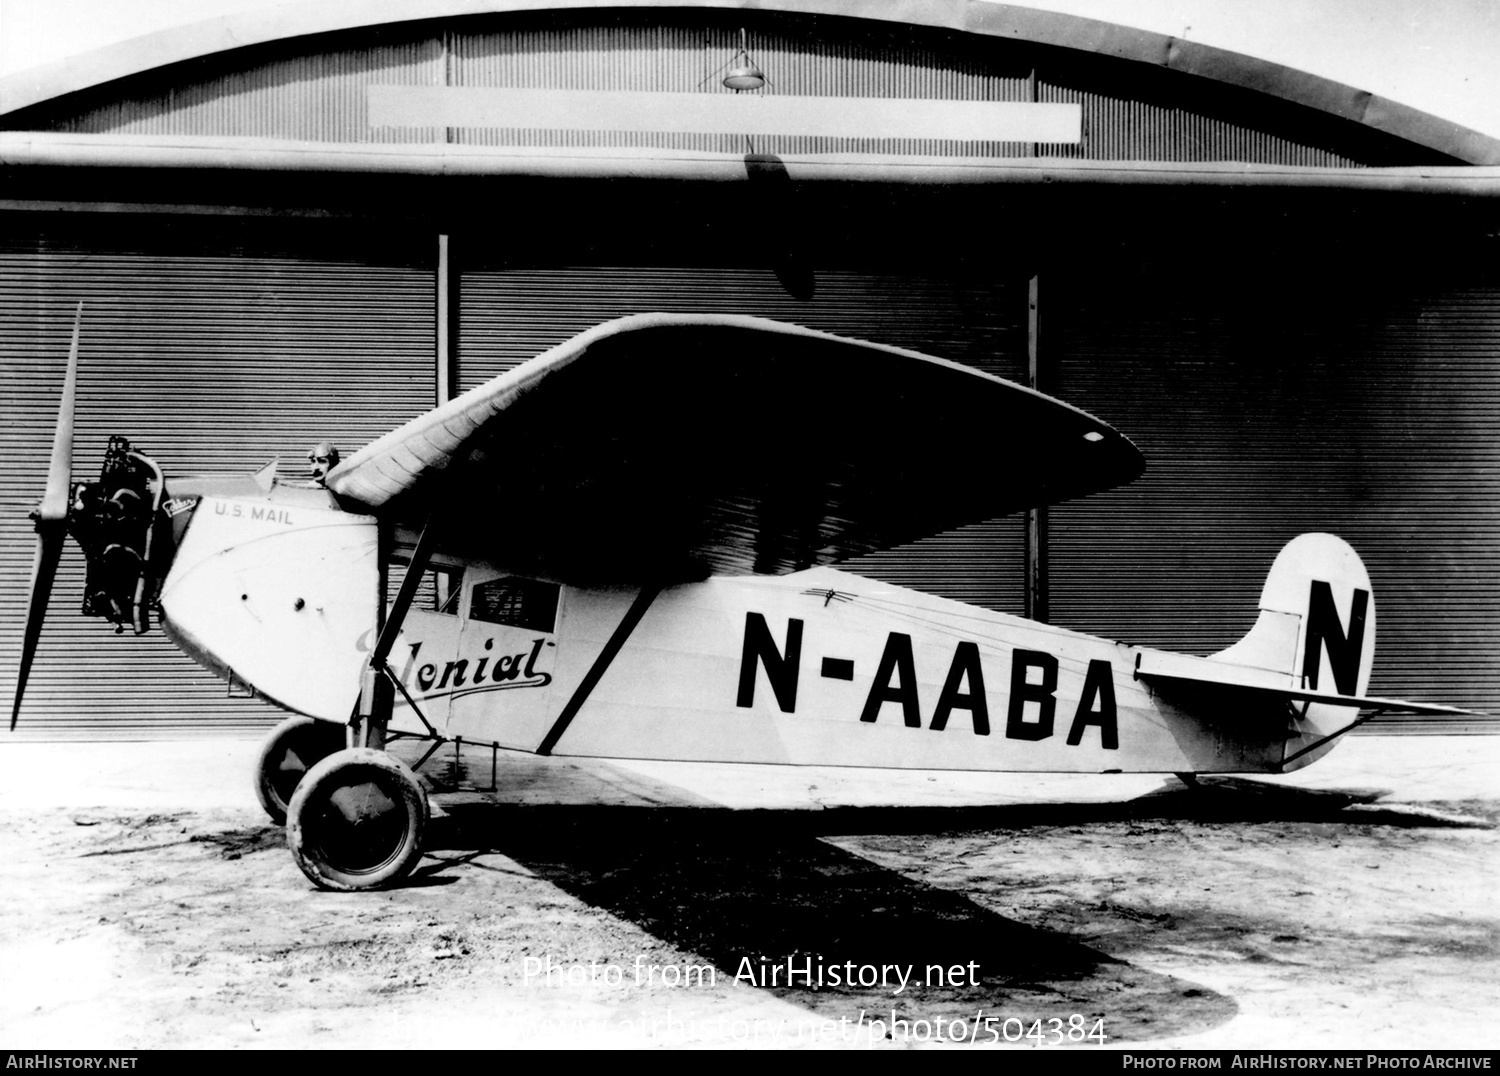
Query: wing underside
[[665, 448]]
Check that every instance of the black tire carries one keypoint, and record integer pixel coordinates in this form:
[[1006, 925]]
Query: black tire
[[294, 747], [356, 821]]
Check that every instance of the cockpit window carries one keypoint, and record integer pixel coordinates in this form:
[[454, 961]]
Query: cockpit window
[[450, 585], [438, 591], [516, 603]]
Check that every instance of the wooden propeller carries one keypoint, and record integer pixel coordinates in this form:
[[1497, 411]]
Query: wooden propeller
[[51, 518]]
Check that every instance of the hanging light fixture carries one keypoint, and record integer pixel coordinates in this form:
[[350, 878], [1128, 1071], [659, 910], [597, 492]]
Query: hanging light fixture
[[744, 75]]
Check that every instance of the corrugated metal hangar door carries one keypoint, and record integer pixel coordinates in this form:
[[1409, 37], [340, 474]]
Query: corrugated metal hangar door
[[1272, 403], [213, 350], [508, 314]]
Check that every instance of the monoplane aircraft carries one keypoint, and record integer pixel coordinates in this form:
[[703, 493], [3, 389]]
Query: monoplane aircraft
[[638, 527]]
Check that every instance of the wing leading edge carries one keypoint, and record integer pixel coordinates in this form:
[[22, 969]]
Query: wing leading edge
[[663, 448]]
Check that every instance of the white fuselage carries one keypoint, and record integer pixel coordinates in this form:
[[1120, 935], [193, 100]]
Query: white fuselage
[[279, 590], [817, 668]]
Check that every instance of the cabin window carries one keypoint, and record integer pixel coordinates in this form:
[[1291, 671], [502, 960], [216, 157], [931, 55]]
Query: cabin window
[[516, 603]]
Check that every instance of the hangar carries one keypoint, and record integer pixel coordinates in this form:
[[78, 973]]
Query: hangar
[[315, 226]]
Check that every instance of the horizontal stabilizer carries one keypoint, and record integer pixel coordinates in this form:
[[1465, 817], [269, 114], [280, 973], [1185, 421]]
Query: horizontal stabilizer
[[1294, 694]]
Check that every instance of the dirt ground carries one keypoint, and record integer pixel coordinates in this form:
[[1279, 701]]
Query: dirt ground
[[1239, 914]]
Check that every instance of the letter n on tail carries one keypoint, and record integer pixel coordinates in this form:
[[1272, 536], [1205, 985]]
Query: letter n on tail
[[1325, 629]]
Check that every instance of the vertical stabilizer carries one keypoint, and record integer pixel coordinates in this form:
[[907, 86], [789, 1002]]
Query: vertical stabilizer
[[1317, 618]]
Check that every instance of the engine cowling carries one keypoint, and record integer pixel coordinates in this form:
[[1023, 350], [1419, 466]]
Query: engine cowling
[[277, 591]]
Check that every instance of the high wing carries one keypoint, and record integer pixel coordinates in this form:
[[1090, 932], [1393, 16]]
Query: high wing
[[664, 448]]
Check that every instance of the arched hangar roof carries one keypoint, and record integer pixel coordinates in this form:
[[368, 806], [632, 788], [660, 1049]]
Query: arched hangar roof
[[207, 37]]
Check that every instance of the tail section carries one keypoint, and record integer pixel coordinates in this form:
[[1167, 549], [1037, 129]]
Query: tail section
[[1299, 676], [1296, 682], [1317, 619]]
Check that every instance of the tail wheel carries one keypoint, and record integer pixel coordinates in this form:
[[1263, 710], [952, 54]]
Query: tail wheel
[[356, 821], [294, 747]]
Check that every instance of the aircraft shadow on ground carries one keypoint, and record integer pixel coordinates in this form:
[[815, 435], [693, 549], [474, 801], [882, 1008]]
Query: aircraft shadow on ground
[[749, 891], [746, 891]]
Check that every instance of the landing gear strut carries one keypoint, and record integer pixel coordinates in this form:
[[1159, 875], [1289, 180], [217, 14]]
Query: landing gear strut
[[356, 818]]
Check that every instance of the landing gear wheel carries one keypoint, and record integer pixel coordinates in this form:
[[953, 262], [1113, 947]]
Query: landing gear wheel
[[294, 747], [356, 820]]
